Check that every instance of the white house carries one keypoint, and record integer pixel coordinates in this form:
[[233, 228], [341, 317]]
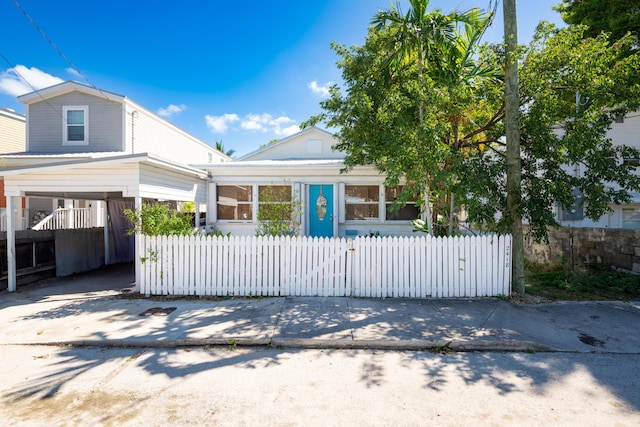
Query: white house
[[305, 167], [625, 131]]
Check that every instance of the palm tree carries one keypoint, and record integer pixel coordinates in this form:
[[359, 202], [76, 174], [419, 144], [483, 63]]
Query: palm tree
[[431, 40], [220, 147]]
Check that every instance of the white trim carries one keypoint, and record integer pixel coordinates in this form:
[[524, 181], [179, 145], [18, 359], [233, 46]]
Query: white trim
[[11, 244], [12, 114], [105, 161], [65, 125], [67, 87], [269, 147], [26, 130]]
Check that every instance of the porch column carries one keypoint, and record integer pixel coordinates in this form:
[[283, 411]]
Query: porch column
[[68, 205], [19, 219], [107, 243], [136, 252], [11, 243], [197, 215], [212, 209], [96, 213]]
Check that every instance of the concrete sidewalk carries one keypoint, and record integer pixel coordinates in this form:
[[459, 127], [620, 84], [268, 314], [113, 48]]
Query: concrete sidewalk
[[96, 310]]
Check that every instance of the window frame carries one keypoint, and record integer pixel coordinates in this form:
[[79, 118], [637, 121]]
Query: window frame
[[388, 203], [635, 211], [375, 203], [251, 188], [65, 124], [288, 188]]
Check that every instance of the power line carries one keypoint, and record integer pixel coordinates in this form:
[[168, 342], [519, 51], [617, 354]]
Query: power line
[[15, 70], [43, 34], [62, 55]]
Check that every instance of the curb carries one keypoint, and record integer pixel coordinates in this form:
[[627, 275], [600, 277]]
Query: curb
[[320, 344]]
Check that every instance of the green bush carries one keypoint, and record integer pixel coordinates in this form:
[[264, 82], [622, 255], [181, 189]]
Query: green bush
[[279, 212], [158, 220]]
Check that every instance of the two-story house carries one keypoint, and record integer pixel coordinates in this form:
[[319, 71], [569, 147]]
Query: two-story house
[[102, 150]]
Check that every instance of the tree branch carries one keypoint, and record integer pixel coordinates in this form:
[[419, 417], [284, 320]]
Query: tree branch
[[496, 118]]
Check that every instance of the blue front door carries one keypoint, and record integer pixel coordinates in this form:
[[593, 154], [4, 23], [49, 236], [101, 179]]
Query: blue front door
[[321, 210]]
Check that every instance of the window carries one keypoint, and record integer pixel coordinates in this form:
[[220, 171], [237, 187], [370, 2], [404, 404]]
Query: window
[[631, 218], [273, 194], [235, 202], [75, 127], [362, 202], [408, 212]]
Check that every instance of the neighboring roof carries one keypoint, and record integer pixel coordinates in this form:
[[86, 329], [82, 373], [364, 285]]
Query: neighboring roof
[[27, 158], [273, 145], [68, 87], [32, 155], [103, 161], [12, 114], [266, 164]]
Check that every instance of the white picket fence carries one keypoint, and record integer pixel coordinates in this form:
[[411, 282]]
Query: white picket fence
[[414, 267]]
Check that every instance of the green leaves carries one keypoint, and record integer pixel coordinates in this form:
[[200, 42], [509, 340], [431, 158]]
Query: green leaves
[[423, 102], [158, 220]]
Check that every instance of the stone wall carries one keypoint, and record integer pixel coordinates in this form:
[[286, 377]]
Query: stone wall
[[610, 247]]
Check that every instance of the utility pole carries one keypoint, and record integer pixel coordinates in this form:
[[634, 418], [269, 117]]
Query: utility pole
[[512, 132]]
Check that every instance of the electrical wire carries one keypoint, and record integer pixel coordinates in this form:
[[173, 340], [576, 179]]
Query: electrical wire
[[15, 70], [62, 55]]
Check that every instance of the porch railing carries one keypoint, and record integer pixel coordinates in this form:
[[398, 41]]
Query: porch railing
[[65, 218]]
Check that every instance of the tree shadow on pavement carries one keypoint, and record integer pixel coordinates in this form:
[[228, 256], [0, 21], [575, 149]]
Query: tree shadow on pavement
[[232, 321]]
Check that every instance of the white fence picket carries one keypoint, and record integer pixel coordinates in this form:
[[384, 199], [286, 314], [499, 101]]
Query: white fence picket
[[415, 267]]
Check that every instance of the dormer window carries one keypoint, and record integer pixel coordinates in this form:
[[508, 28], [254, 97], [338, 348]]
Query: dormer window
[[75, 127]]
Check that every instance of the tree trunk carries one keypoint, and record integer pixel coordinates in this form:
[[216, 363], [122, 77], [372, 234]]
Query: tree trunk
[[514, 168]]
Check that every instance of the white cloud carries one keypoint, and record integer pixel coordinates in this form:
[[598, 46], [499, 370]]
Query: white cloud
[[256, 122], [74, 73], [13, 81], [220, 124], [253, 122], [290, 130], [320, 90], [171, 110]]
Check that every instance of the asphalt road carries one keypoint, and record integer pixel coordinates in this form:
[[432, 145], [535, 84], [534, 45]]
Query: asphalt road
[[280, 387]]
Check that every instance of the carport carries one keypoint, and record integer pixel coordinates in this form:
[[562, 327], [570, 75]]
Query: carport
[[134, 176]]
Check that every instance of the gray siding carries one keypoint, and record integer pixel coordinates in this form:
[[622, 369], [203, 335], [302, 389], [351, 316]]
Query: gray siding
[[46, 121]]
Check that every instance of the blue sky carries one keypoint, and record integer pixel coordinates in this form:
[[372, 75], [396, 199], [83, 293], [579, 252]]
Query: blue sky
[[243, 73]]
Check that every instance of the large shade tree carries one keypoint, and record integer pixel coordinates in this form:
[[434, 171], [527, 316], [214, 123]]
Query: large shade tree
[[617, 17], [568, 106], [408, 108]]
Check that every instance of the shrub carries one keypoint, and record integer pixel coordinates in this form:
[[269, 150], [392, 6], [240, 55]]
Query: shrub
[[158, 220]]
